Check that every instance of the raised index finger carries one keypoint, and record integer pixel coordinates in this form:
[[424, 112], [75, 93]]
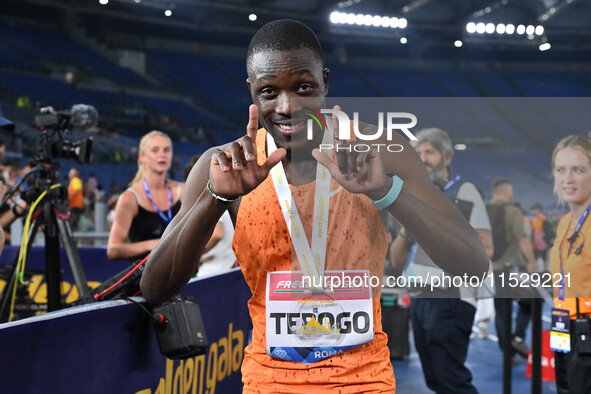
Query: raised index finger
[[253, 122], [335, 123]]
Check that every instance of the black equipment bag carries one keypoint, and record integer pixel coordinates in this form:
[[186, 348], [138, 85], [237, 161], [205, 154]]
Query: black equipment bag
[[180, 329]]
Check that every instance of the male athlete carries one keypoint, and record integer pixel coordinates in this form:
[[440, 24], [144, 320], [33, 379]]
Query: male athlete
[[285, 62]]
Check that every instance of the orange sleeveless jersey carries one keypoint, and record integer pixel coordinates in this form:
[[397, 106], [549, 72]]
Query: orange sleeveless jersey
[[579, 266], [356, 240]]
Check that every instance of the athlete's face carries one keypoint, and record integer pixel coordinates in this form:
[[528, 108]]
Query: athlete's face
[[572, 176], [433, 160], [276, 78]]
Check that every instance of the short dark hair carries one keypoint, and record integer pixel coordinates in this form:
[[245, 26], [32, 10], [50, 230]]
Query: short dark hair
[[498, 183], [284, 35]]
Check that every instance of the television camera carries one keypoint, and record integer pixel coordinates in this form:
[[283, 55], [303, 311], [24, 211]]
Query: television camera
[[49, 199]]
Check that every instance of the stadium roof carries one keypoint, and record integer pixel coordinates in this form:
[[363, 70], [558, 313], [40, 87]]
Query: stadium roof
[[432, 29]]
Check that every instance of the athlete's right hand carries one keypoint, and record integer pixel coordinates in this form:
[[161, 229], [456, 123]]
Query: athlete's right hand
[[234, 171]]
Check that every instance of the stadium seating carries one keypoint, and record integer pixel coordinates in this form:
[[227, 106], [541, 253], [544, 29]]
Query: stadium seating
[[204, 95]]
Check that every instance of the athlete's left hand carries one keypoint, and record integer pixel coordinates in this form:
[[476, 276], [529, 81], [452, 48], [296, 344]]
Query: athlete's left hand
[[358, 170]]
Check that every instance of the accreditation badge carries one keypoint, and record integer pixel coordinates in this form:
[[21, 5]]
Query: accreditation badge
[[306, 326], [560, 331]]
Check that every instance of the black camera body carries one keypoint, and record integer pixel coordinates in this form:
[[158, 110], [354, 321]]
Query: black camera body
[[51, 121], [180, 331], [50, 147]]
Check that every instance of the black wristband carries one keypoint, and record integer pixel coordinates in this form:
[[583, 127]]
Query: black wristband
[[14, 211]]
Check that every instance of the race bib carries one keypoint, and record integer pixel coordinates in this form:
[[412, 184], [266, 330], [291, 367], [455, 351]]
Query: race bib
[[307, 326]]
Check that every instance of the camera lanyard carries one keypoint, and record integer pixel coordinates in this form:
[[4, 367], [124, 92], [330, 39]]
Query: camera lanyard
[[571, 240], [165, 219], [312, 259]]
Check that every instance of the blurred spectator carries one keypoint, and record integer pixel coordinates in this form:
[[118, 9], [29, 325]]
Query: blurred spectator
[[7, 125], [571, 261], [145, 209], [511, 245], [100, 193], [12, 172], [442, 320], [75, 198], [526, 220], [13, 208], [90, 190], [91, 185], [542, 233]]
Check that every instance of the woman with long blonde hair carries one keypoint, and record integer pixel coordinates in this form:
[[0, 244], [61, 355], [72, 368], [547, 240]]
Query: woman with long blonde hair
[[570, 262], [144, 210]]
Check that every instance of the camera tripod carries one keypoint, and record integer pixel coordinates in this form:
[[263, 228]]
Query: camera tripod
[[52, 212]]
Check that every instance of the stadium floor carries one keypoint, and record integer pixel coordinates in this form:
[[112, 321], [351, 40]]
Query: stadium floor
[[484, 361]]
